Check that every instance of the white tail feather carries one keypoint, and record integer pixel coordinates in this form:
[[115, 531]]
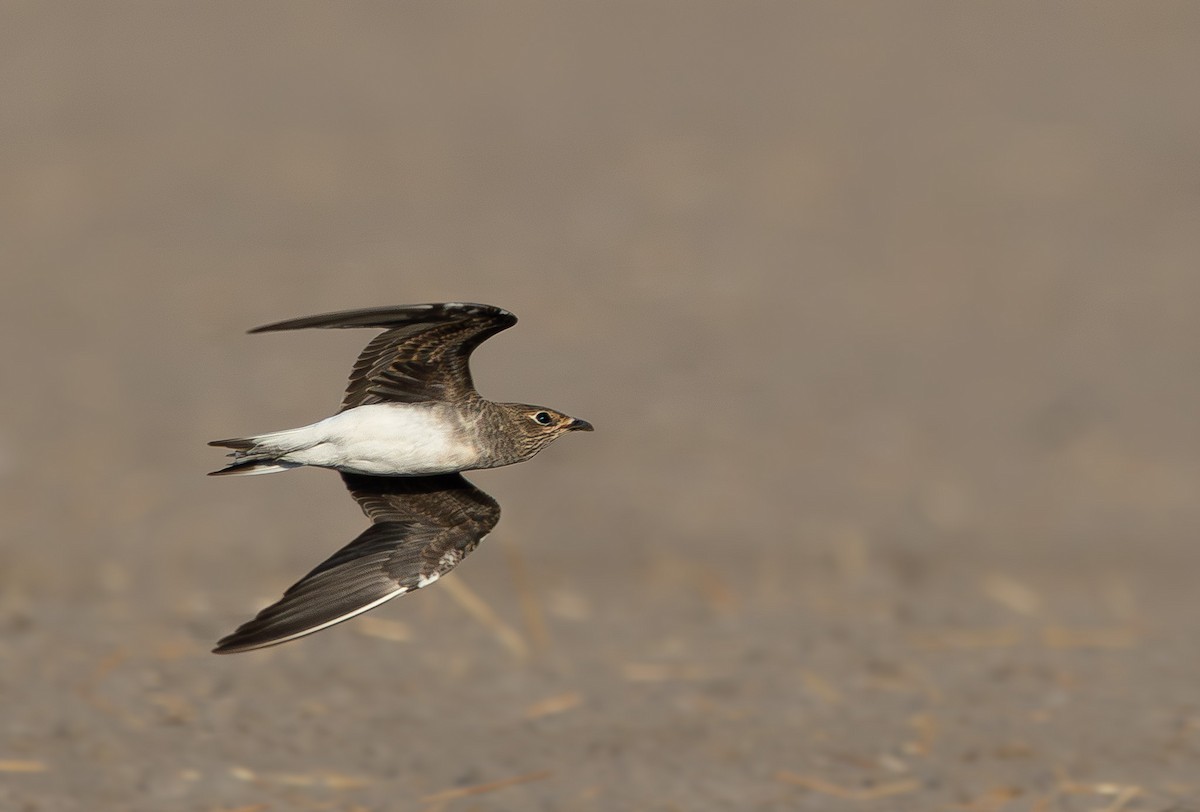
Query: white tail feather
[[264, 468]]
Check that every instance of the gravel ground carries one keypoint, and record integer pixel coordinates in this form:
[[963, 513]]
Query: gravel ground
[[886, 316]]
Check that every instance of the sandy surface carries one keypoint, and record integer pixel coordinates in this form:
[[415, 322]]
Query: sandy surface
[[886, 316]]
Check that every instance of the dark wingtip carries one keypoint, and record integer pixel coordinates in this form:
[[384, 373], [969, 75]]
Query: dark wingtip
[[225, 649], [387, 317], [231, 645], [236, 643]]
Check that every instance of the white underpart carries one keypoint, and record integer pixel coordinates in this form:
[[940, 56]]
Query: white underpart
[[426, 580], [382, 439]]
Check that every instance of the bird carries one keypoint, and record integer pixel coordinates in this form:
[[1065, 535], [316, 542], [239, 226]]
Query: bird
[[409, 424]]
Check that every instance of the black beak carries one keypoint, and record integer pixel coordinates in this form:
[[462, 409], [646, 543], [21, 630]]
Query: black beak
[[579, 425]]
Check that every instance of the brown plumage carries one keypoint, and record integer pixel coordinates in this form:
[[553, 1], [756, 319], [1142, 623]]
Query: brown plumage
[[409, 422]]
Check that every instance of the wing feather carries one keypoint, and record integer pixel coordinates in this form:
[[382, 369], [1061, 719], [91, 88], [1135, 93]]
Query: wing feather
[[422, 527], [422, 355]]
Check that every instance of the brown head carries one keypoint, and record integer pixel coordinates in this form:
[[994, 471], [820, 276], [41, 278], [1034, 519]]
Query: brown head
[[532, 428]]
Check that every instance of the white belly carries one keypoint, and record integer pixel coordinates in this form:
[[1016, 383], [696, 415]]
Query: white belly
[[388, 439]]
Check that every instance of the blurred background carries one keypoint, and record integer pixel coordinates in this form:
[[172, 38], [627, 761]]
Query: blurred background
[[885, 315]]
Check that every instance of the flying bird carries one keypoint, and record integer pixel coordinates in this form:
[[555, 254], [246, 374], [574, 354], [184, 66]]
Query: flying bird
[[409, 423]]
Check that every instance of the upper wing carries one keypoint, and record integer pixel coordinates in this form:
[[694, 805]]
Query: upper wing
[[421, 528], [423, 355]]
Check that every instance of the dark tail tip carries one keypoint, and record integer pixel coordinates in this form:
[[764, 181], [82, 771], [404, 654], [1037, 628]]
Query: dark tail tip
[[235, 442], [244, 467]]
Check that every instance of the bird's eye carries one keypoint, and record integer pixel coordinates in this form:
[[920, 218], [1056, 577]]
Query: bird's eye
[[543, 418]]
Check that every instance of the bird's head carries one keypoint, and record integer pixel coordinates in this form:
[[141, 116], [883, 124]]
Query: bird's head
[[538, 426]]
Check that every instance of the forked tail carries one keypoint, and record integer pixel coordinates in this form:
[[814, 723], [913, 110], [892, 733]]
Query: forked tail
[[259, 455]]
